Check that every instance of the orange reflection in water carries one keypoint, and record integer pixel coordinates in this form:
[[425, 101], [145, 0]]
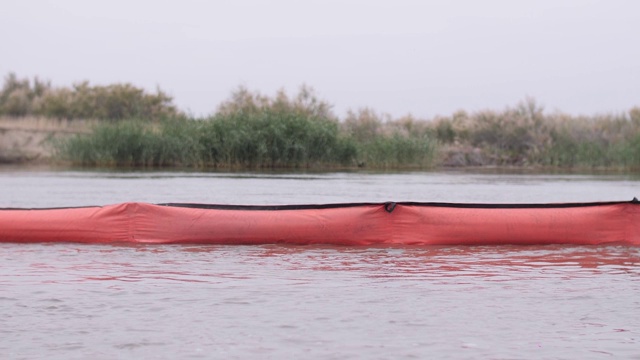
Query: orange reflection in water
[[213, 263]]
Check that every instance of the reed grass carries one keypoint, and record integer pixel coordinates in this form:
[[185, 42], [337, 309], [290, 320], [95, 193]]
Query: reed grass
[[254, 132], [382, 142], [525, 136], [135, 143], [251, 130]]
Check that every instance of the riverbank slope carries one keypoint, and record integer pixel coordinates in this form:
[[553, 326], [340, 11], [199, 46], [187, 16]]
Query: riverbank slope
[[31, 140]]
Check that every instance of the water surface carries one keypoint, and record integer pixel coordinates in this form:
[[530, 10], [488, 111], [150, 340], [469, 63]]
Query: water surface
[[71, 301]]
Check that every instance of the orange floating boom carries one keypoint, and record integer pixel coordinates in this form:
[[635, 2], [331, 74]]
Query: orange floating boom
[[357, 224]]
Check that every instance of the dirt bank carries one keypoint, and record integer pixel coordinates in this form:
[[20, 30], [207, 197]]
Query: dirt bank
[[30, 139]]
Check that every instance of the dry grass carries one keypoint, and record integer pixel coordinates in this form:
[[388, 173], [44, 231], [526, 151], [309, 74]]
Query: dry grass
[[23, 97], [525, 136], [45, 124]]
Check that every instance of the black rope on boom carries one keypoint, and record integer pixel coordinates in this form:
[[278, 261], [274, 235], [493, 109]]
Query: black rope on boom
[[390, 206]]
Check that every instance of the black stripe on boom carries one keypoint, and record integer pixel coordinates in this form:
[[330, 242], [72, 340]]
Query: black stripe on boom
[[386, 204]]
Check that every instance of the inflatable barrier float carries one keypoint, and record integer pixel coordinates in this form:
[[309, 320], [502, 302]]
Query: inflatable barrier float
[[354, 224]]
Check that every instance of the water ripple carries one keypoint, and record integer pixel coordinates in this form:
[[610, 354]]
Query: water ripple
[[244, 301]]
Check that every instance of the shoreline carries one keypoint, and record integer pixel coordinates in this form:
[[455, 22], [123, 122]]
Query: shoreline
[[28, 143], [43, 164]]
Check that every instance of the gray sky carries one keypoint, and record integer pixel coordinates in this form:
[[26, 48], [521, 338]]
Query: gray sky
[[403, 56]]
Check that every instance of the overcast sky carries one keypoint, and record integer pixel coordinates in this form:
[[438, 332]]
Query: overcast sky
[[425, 57]]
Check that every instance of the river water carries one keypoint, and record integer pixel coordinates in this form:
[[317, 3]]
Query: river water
[[71, 301]]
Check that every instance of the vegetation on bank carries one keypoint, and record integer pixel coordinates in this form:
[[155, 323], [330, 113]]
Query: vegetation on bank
[[251, 130], [22, 97], [248, 131], [526, 136]]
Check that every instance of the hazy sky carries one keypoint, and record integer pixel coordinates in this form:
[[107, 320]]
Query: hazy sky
[[401, 56]]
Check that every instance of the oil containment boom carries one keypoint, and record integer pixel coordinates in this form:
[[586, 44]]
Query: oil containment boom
[[353, 224]]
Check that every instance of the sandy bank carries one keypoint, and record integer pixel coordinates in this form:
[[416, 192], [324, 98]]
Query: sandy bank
[[30, 139]]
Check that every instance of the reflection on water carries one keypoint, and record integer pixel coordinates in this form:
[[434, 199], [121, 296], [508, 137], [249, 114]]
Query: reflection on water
[[183, 262], [71, 301], [278, 301]]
